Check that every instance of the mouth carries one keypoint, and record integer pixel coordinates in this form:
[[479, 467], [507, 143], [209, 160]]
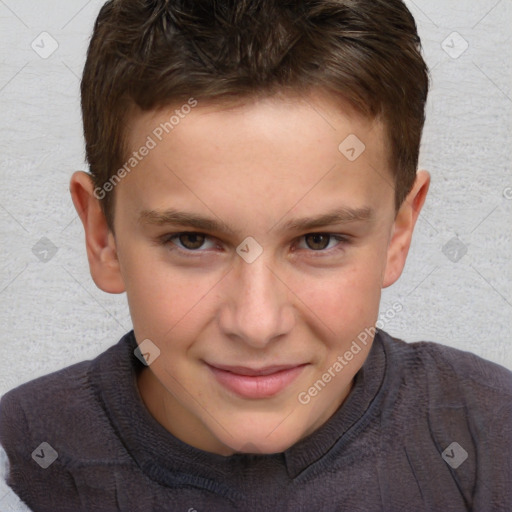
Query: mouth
[[256, 383]]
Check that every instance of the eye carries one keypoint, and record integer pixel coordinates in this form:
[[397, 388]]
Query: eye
[[187, 241], [319, 242], [191, 242]]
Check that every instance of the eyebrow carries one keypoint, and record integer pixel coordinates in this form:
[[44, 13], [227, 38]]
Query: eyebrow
[[180, 218]]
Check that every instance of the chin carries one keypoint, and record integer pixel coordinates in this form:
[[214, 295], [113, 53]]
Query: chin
[[260, 446], [266, 441]]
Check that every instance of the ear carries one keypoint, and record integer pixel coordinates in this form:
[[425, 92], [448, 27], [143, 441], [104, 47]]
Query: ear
[[403, 228], [99, 240]]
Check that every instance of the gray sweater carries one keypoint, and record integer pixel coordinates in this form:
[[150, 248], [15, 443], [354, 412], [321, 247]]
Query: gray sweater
[[425, 428]]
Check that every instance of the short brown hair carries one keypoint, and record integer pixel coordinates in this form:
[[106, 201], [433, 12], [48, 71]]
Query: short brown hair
[[152, 53]]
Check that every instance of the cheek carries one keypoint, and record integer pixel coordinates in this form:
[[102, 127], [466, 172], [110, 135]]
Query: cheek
[[346, 300], [164, 301], [152, 291]]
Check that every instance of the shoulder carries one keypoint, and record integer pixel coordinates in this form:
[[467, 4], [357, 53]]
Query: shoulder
[[9, 500], [36, 422], [449, 378], [64, 408], [45, 397], [53, 428], [452, 364], [452, 405]]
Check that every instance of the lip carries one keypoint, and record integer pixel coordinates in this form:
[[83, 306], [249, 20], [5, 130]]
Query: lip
[[256, 382]]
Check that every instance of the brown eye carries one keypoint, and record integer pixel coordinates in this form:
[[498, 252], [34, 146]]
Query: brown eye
[[191, 240], [317, 241]]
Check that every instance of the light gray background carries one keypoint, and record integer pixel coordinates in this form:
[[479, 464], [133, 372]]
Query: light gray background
[[52, 314]]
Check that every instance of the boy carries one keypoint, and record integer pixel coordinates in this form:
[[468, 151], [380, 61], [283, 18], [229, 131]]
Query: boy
[[284, 137]]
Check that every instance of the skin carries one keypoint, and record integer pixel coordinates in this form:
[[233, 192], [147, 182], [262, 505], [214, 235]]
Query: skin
[[253, 166]]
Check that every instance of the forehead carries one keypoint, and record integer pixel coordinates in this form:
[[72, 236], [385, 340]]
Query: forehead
[[308, 115], [284, 150]]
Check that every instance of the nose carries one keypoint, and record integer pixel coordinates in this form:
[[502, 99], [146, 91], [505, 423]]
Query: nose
[[258, 309]]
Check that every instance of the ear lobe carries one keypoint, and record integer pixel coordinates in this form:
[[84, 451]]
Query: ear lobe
[[403, 228], [99, 240]]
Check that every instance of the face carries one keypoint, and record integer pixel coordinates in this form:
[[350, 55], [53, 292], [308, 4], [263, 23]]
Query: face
[[253, 251]]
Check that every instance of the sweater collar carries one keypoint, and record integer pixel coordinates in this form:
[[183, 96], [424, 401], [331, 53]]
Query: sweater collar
[[171, 462]]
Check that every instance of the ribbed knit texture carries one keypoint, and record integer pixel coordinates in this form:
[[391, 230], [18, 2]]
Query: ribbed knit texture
[[381, 450]]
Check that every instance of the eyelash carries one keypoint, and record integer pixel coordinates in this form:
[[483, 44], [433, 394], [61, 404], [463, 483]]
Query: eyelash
[[166, 239]]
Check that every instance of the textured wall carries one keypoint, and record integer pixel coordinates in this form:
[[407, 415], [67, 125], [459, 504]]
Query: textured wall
[[456, 288]]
